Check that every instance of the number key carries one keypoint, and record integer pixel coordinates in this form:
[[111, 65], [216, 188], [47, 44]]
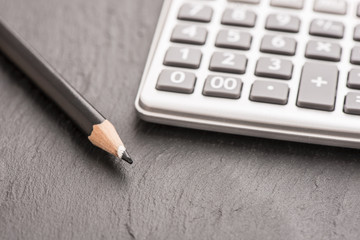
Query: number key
[[239, 17], [195, 12], [278, 45], [233, 39], [176, 81], [189, 34], [224, 87], [183, 57], [228, 62], [283, 22], [274, 68]]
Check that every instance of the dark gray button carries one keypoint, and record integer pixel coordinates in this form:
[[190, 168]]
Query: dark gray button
[[269, 92], [326, 28], [274, 68], [318, 86], [323, 50], [352, 103], [282, 22], [296, 4], [183, 57], [189, 34], [233, 39], [357, 33], [195, 12], [354, 79], [239, 17], [355, 55], [176, 81], [358, 10], [224, 87], [246, 1], [330, 6], [278, 45], [228, 62]]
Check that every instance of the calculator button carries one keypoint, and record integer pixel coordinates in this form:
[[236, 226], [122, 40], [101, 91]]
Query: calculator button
[[326, 28], [183, 57], [176, 81], [245, 1], [269, 92], [330, 6], [274, 68], [354, 79], [357, 33], [228, 62], [239, 17], [355, 55], [224, 87], [233, 39], [189, 34], [323, 50], [296, 4], [278, 45], [282, 22], [358, 10], [195, 12], [318, 86], [352, 103]]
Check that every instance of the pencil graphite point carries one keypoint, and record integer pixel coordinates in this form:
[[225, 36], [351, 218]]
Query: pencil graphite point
[[124, 155]]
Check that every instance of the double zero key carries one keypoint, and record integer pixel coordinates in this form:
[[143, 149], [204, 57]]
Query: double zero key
[[318, 86]]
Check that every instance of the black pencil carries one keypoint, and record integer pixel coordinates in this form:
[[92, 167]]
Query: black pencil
[[100, 131]]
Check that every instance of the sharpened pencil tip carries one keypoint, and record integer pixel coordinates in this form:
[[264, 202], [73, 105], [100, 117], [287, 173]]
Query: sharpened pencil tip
[[126, 157]]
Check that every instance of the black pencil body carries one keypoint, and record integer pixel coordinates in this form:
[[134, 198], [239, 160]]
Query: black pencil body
[[46, 78]]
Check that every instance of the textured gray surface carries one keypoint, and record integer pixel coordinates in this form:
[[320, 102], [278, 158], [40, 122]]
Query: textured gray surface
[[185, 184]]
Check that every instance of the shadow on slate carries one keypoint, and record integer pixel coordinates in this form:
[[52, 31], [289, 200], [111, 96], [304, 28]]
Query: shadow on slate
[[239, 143]]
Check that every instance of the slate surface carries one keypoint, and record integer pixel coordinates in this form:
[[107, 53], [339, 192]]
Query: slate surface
[[185, 184]]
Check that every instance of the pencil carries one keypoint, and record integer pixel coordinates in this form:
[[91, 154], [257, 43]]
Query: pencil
[[100, 131]]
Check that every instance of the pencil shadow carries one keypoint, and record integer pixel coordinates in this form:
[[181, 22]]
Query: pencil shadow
[[54, 114]]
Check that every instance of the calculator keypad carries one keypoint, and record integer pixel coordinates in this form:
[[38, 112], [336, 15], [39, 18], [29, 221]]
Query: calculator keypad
[[233, 39], [183, 57], [223, 87], [239, 17], [283, 22], [195, 12], [354, 79], [278, 44], [352, 103], [189, 34], [274, 68], [228, 62], [296, 4], [269, 92], [326, 28], [323, 50], [355, 56], [331, 6], [318, 86], [176, 81]]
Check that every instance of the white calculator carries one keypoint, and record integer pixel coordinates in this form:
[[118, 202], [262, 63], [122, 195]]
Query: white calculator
[[281, 69]]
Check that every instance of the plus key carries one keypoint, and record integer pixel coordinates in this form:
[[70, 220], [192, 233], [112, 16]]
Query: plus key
[[318, 86]]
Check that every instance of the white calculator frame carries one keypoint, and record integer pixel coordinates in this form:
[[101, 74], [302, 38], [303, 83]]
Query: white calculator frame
[[242, 116]]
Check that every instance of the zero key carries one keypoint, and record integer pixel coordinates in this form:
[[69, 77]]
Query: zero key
[[318, 86]]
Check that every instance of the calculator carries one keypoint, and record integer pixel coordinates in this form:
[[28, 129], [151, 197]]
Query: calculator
[[280, 69]]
